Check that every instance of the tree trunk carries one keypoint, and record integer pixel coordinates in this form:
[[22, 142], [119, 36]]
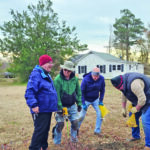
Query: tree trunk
[[127, 52]]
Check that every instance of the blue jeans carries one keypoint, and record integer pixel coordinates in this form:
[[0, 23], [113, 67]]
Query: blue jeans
[[73, 118], [146, 126], [95, 105], [136, 130]]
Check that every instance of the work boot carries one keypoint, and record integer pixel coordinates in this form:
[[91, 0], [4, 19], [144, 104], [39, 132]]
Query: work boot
[[146, 148]]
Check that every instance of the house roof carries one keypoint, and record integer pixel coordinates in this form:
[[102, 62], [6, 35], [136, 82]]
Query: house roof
[[104, 56]]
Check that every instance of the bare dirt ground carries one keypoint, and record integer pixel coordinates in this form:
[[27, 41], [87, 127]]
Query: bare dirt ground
[[16, 125]]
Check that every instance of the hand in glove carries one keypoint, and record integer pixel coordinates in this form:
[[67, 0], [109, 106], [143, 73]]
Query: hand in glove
[[79, 108], [101, 103], [84, 107], [124, 113], [134, 110]]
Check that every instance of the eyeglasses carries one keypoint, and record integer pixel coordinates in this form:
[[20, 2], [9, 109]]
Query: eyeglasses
[[67, 70]]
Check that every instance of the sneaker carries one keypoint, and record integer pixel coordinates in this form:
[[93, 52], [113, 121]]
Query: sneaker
[[98, 134], [132, 140], [53, 131], [74, 140], [95, 133]]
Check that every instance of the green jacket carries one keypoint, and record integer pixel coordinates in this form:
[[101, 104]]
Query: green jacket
[[68, 91]]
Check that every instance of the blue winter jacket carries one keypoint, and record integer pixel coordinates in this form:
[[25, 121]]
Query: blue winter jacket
[[40, 91], [92, 89]]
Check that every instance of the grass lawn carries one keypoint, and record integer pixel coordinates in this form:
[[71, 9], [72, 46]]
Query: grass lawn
[[16, 125]]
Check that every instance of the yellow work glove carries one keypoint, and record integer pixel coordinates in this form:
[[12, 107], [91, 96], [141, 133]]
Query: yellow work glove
[[124, 112], [133, 110], [129, 107]]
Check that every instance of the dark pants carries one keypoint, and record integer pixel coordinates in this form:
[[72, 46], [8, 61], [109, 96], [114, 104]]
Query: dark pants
[[41, 128]]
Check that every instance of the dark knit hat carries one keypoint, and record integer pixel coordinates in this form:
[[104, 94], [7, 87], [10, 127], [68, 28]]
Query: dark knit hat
[[44, 59], [117, 81]]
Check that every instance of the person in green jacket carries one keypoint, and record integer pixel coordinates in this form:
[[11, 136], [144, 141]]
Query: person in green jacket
[[69, 96]]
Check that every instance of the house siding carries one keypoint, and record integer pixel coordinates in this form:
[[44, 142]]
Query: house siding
[[92, 60]]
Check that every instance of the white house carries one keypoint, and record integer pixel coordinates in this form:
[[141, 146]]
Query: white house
[[110, 66]]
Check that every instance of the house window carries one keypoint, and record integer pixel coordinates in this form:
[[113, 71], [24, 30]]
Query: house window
[[129, 67], [114, 67], [118, 67], [102, 68], [136, 66], [82, 69]]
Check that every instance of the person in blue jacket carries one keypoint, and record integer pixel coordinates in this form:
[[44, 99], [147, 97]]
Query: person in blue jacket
[[41, 97], [93, 90]]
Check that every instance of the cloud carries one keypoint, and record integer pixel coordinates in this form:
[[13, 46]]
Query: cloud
[[97, 47], [105, 20]]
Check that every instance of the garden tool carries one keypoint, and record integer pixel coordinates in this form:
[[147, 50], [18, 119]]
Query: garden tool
[[65, 115]]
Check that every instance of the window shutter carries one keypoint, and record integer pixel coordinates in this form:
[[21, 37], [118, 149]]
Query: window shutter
[[85, 69], [104, 68], [79, 69], [122, 68], [110, 68], [101, 69]]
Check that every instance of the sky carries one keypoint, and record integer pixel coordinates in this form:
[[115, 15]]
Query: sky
[[93, 19]]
